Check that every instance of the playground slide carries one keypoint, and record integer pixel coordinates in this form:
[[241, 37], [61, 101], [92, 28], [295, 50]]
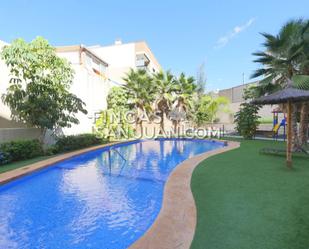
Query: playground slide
[[276, 128]]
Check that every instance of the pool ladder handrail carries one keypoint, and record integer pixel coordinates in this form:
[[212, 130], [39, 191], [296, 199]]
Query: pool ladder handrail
[[110, 160], [112, 149]]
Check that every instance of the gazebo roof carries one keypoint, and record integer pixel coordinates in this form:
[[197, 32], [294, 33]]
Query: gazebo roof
[[283, 96]]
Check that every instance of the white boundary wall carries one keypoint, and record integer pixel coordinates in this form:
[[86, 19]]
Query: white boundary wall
[[10, 134]]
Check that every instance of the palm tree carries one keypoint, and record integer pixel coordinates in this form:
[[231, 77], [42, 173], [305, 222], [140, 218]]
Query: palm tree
[[304, 84], [210, 106], [165, 86], [185, 90], [140, 93], [281, 61]]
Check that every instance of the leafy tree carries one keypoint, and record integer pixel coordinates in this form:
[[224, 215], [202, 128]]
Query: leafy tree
[[208, 108], [165, 86], [112, 122], [38, 92], [247, 118], [117, 98], [140, 93]]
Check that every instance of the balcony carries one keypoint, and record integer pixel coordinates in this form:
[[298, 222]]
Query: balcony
[[142, 61]]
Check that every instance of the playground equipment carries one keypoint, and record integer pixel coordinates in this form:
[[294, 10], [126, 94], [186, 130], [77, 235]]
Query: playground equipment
[[278, 125]]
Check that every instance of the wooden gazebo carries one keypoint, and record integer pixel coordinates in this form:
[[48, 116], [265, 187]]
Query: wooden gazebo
[[286, 96]]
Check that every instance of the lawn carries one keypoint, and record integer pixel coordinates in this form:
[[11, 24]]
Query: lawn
[[250, 201], [19, 164]]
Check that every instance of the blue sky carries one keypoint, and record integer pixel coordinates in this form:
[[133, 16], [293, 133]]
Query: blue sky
[[182, 34]]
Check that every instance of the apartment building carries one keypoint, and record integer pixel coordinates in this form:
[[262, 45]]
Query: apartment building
[[90, 83], [123, 56]]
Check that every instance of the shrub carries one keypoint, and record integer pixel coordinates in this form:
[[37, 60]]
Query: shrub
[[110, 129], [247, 120], [20, 150], [74, 142], [4, 158], [117, 105]]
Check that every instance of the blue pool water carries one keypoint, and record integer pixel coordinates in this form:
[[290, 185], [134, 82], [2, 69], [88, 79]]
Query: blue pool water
[[84, 203]]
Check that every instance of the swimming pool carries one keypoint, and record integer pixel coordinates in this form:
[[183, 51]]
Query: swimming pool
[[101, 199]]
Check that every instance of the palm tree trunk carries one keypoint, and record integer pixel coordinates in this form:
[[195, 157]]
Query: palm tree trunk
[[181, 108], [175, 126], [162, 127], [139, 121], [304, 121]]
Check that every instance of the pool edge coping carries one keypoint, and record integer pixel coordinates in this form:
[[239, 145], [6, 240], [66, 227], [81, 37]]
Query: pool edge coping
[[176, 229], [14, 174]]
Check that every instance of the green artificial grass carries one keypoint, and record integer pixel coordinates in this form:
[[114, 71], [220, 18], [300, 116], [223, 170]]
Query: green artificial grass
[[19, 164], [246, 200]]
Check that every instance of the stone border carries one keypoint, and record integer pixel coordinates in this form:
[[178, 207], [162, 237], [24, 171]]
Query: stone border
[[175, 225], [28, 169]]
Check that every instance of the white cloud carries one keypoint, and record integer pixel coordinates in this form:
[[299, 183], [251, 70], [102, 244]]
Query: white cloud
[[222, 41]]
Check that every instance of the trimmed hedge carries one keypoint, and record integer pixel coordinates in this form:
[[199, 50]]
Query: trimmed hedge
[[74, 142], [19, 150], [27, 149]]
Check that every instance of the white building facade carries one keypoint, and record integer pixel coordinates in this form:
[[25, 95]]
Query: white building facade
[[90, 84], [121, 57]]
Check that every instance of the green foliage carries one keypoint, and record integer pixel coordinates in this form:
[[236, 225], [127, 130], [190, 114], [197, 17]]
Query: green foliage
[[186, 90], [117, 98], [19, 150], [164, 87], [38, 92], [112, 122], [301, 81], [208, 108], [285, 55], [113, 125], [4, 158], [140, 90], [74, 142], [286, 58], [247, 120], [163, 93]]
